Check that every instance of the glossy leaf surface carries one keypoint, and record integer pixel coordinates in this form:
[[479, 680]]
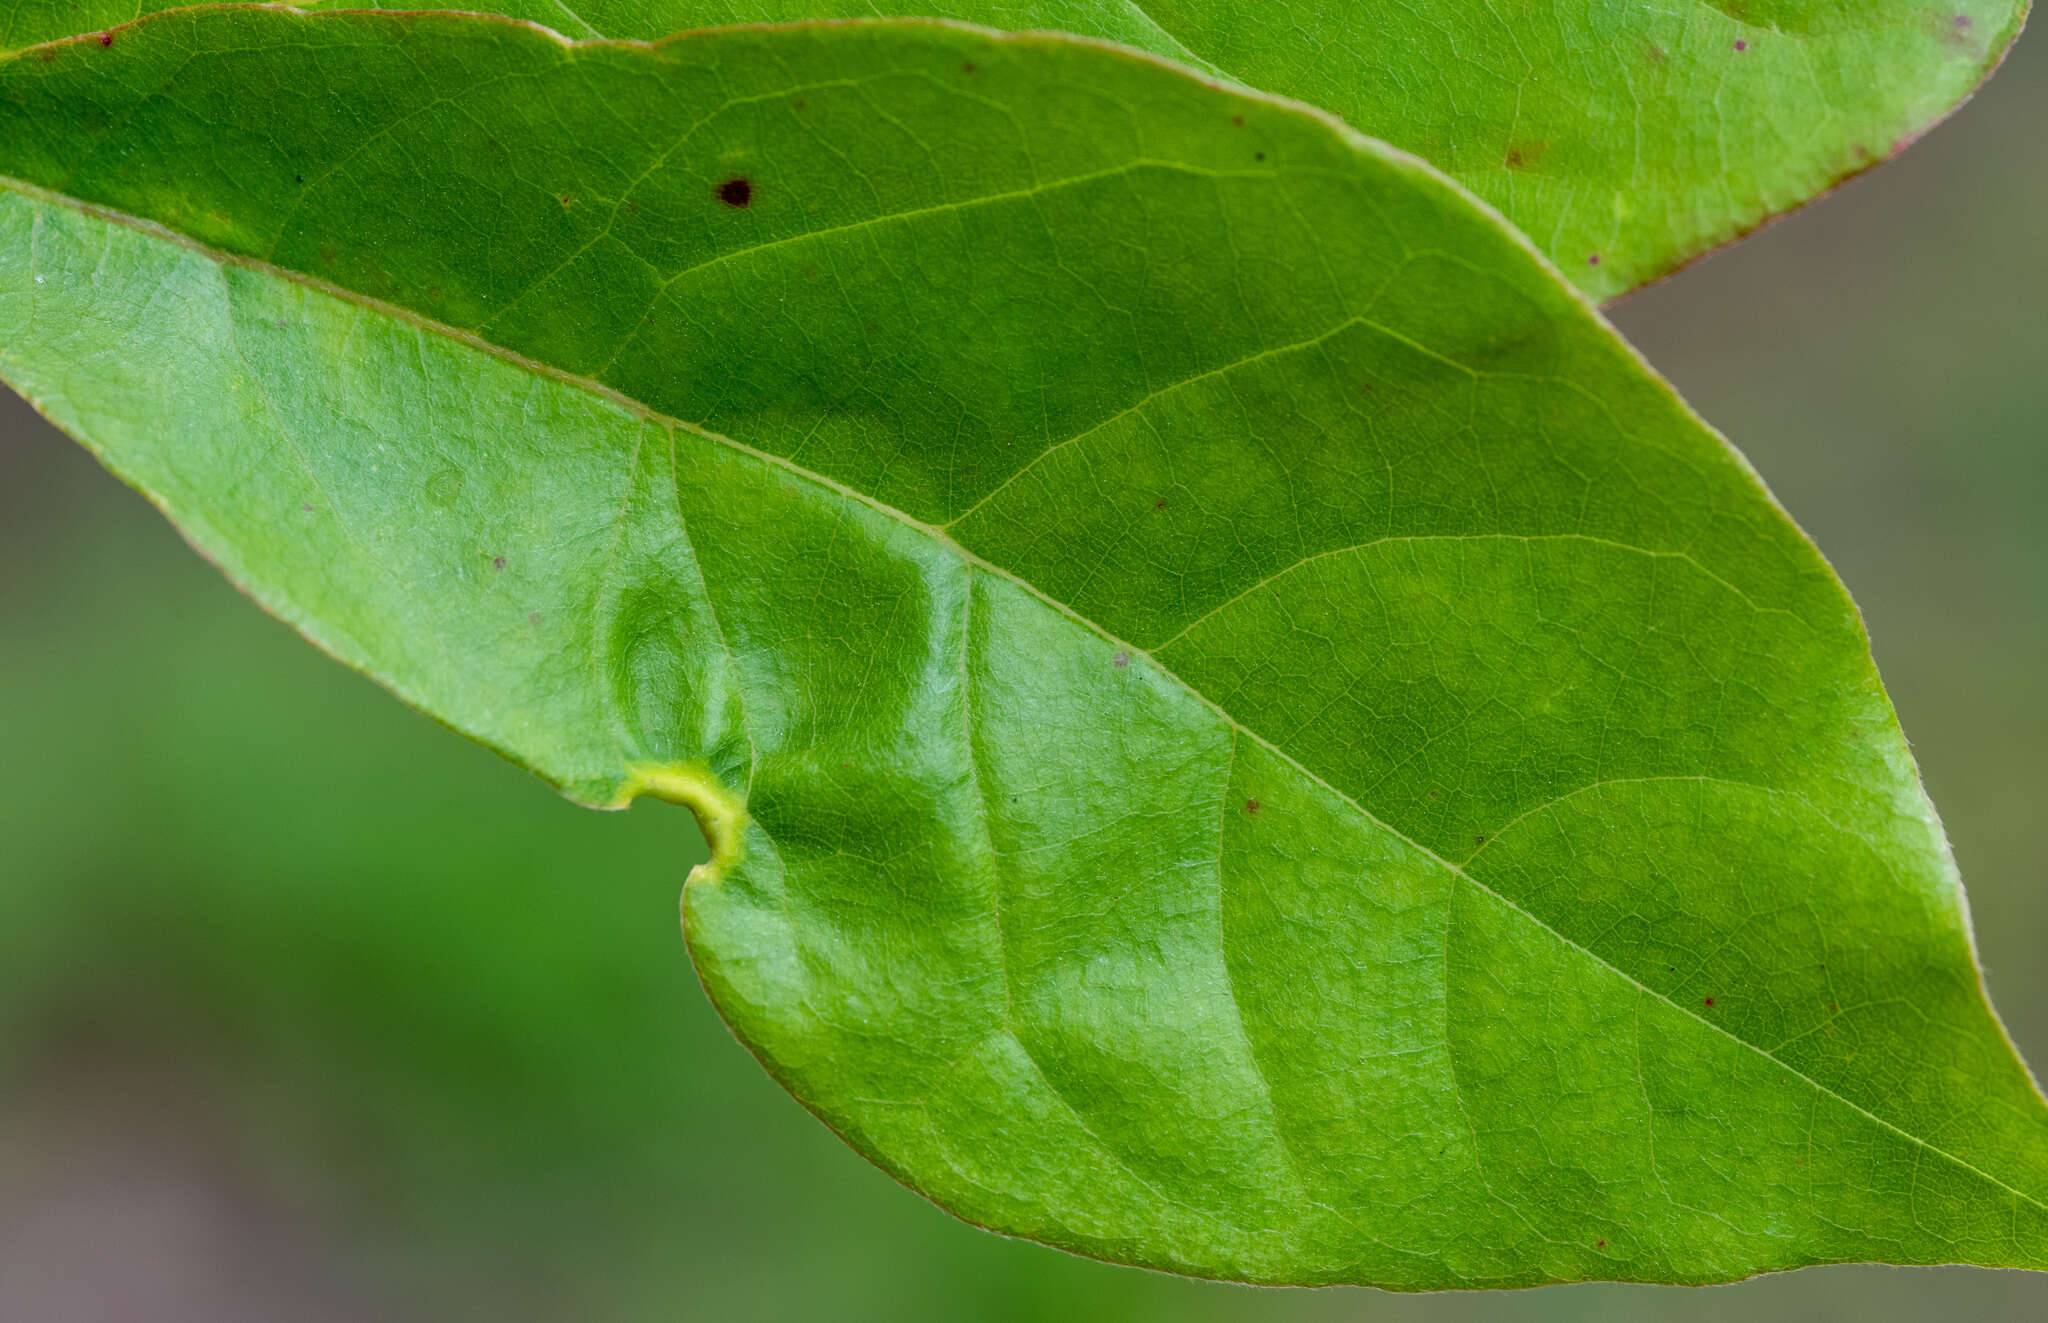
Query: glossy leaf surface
[[1242, 730], [1625, 138]]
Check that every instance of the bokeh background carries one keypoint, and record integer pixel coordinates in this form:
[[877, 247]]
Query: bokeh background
[[310, 1010]]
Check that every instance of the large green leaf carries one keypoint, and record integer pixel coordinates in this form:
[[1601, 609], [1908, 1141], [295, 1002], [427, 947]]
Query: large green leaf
[[1241, 729], [1625, 138]]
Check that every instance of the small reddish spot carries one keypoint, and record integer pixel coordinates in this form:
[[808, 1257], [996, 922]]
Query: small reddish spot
[[568, 201], [968, 67], [736, 192], [1121, 660], [1159, 504], [1600, 1244], [1656, 53], [1594, 260], [1524, 155], [1799, 1162], [106, 38], [1742, 45], [1237, 120], [797, 104], [497, 562], [1708, 1001], [1834, 1008], [1962, 20], [1251, 806]]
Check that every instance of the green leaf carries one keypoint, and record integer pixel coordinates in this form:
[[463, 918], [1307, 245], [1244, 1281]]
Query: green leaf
[[1241, 729], [1625, 138]]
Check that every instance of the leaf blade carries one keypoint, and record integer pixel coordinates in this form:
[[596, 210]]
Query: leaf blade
[[1629, 141], [1018, 806]]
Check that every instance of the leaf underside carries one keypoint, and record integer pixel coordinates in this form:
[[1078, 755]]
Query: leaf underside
[[1625, 138], [1244, 731]]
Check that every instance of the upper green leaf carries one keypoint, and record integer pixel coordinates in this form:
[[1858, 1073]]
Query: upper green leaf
[[1242, 730], [1624, 138]]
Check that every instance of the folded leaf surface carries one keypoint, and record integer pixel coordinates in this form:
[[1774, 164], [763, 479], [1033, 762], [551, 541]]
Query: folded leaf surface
[[1242, 730]]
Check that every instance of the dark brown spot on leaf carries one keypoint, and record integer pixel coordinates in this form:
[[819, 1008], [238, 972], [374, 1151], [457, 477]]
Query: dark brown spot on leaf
[[1159, 504], [1251, 806], [968, 67], [1599, 1244], [1237, 120], [1656, 53], [1593, 260], [1525, 155], [1708, 1001], [497, 562], [1478, 840], [568, 201], [736, 192]]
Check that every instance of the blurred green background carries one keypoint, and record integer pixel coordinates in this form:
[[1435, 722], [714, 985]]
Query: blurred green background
[[309, 1010]]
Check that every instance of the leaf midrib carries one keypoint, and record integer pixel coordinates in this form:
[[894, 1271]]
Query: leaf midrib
[[218, 257]]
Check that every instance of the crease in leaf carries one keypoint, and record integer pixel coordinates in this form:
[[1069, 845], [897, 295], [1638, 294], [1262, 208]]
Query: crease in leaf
[[1646, 960]]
